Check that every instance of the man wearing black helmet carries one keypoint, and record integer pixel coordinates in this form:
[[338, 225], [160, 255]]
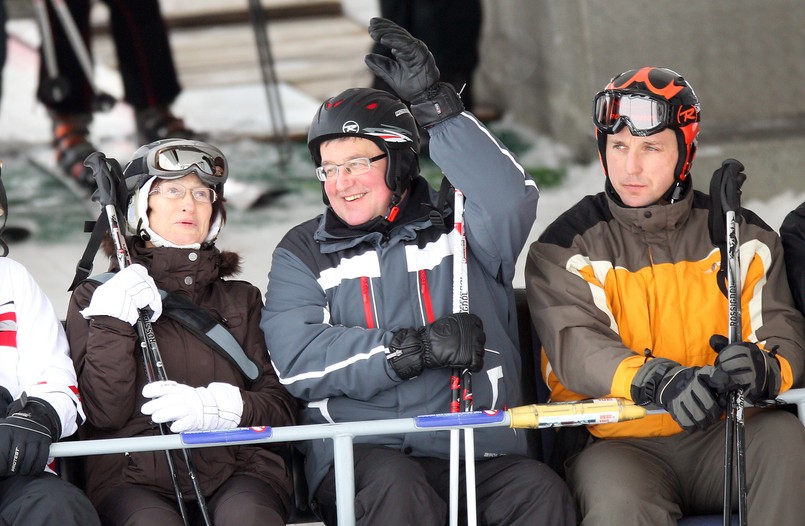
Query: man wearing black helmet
[[624, 292], [359, 317], [39, 402]]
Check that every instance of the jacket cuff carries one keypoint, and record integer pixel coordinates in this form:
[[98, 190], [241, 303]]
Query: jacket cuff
[[624, 376], [786, 374]]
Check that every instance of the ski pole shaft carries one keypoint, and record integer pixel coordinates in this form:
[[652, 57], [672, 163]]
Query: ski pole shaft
[[269, 76], [77, 43], [48, 49], [463, 382], [735, 433]]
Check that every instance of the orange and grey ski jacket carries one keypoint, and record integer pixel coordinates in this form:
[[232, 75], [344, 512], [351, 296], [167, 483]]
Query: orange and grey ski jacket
[[609, 284]]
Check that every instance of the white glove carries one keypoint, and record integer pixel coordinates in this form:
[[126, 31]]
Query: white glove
[[126, 292], [217, 406]]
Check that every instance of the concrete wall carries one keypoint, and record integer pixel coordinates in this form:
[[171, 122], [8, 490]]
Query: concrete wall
[[543, 60]]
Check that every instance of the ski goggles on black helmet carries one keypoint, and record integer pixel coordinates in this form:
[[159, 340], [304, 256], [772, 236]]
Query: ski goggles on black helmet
[[175, 158], [643, 114]]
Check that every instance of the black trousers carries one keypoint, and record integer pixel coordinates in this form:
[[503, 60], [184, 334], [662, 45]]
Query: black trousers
[[144, 56], [44, 500], [240, 501], [392, 489]]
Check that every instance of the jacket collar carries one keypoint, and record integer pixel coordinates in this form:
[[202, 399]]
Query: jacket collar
[[415, 214], [178, 268], [654, 218]]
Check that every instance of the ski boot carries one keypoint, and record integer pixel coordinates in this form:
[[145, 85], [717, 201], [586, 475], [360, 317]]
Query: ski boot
[[158, 122], [71, 141]]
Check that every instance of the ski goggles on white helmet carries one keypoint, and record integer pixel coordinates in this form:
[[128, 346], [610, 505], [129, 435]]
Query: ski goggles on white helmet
[[643, 114], [175, 158]]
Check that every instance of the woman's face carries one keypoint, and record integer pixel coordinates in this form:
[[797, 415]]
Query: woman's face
[[180, 220]]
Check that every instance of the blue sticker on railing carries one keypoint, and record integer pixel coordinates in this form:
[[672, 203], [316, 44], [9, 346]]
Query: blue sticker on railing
[[239, 434], [458, 419]]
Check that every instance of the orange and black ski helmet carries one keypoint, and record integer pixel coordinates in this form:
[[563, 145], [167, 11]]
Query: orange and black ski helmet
[[648, 100]]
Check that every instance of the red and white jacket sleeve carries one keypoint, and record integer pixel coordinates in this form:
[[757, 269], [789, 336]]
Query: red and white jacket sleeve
[[34, 354]]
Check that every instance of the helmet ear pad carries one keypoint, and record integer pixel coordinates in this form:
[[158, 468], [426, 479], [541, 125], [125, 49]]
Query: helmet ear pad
[[401, 169]]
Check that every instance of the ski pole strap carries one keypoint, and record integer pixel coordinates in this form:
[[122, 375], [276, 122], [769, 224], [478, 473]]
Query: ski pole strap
[[204, 326], [84, 266]]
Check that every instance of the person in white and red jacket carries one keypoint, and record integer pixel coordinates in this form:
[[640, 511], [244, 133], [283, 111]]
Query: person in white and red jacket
[[39, 403]]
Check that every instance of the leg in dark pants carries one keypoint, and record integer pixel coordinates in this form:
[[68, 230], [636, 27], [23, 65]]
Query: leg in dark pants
[[511, 490], [246, 501], [131, 505], [44, 500], [391, 489]]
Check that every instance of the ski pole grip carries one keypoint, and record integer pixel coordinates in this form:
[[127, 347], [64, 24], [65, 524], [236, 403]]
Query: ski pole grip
[[105, 194], [731, 184]]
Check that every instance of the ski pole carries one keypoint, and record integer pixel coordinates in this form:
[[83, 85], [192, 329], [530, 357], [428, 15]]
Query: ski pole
[[101, 101], [461, 303], [56, 87], [733, 178], [109, 182], [534, 416], [275, 110]]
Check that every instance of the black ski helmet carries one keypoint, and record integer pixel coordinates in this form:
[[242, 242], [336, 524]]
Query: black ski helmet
[[375, 115], [675, 106]]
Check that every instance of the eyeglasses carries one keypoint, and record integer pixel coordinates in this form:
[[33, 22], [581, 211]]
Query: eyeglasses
[[182, 157], [643, 114], [359, 166], [175, 191]]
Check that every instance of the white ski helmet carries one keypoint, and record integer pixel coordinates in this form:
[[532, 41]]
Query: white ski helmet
[[172, 159]]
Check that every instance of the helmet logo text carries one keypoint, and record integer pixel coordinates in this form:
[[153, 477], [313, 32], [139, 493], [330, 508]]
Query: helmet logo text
[[686, 114], [350, 127]]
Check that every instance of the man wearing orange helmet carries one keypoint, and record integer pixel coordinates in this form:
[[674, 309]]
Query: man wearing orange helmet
[[624, 290]]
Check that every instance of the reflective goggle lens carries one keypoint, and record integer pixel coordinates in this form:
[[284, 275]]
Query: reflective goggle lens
[[643, 115], [177, 161]]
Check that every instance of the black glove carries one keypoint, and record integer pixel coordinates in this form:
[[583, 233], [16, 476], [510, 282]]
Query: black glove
[[682, 391], [457, 340], [412, 73], [748, 367], [5, 399], [25, 436]]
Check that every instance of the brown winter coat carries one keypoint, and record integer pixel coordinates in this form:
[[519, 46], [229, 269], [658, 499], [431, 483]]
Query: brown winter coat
[[111, 375]]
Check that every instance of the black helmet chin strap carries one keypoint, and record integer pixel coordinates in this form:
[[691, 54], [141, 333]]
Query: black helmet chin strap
[[394, 208]]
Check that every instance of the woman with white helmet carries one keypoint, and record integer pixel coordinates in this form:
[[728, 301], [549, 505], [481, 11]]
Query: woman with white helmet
[[175, 211]]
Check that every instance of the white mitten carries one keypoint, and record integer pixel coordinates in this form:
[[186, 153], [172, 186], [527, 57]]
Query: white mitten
[[124, 294], [217, 406]]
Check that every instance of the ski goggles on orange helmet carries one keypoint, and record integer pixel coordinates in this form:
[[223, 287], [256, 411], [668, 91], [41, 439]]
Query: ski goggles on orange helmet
[[176, 158], [643, 114]]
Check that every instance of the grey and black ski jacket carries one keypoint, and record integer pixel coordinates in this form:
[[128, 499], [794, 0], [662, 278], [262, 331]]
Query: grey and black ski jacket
[[336, 295]]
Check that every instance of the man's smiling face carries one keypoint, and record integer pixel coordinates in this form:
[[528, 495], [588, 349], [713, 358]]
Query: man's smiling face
[[356, 199]]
